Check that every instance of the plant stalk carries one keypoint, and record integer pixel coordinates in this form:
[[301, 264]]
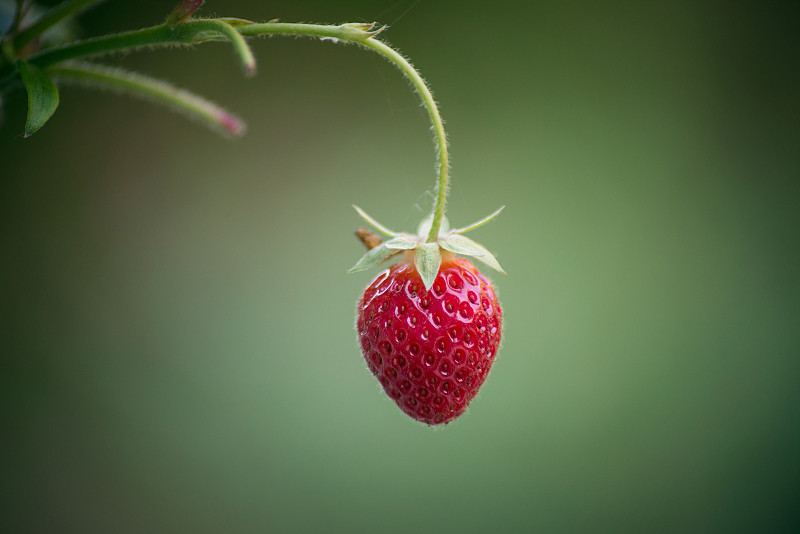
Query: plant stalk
[[439, 136], [194, 31]]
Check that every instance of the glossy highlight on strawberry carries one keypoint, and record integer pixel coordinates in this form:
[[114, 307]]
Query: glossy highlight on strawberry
[[432, 349]]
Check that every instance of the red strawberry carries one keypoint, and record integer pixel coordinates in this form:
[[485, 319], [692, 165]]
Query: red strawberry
[[429, 326], [431, 350]]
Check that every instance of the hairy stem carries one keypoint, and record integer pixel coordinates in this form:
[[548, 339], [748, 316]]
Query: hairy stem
[[440, 138], [139, 85], [194, 31], [191, 32], [97, 46], [239, 44]]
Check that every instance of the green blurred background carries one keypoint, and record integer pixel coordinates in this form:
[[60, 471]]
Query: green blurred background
[[177, 351]]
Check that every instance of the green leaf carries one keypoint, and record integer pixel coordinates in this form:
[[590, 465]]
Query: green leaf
[[429, 259], [401, 243], [372, 258], [467, 247], [424, 227], [479, 223], [42, 96], [378, 226]]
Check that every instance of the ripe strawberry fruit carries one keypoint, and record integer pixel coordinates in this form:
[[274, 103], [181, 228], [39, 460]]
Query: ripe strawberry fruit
[[429, 326], [430, 350]]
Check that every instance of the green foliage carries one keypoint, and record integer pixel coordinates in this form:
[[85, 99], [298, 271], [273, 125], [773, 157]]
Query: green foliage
[[23, 57], [42, 96], [43, 56]]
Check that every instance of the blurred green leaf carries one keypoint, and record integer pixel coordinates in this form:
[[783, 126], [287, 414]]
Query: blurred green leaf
[[42, 96]]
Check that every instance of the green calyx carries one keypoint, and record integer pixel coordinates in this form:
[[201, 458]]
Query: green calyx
[[427, 256]]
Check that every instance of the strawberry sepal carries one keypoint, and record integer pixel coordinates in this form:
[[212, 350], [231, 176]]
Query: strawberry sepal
[[427, 257]]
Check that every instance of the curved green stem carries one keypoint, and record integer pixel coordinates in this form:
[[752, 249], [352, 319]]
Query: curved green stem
[[194, 31], [361, 35], [191, 32], [440, 138], [239, 44], [97, 46]]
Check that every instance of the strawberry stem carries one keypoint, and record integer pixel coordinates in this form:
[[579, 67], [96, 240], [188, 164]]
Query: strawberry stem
[[194, 31], [439, 136]]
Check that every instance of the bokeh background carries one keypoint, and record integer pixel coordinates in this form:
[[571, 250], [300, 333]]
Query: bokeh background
[[177, 351]]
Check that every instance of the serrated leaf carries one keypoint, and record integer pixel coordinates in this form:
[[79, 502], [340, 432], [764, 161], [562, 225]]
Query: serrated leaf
[[429, 259], [378, 226], [42, 96], [479, 223], [467, 247], [372, 258], [424, 227], [401, 243]]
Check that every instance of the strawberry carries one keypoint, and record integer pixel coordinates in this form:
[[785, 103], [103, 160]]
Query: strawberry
[[429, 336]]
